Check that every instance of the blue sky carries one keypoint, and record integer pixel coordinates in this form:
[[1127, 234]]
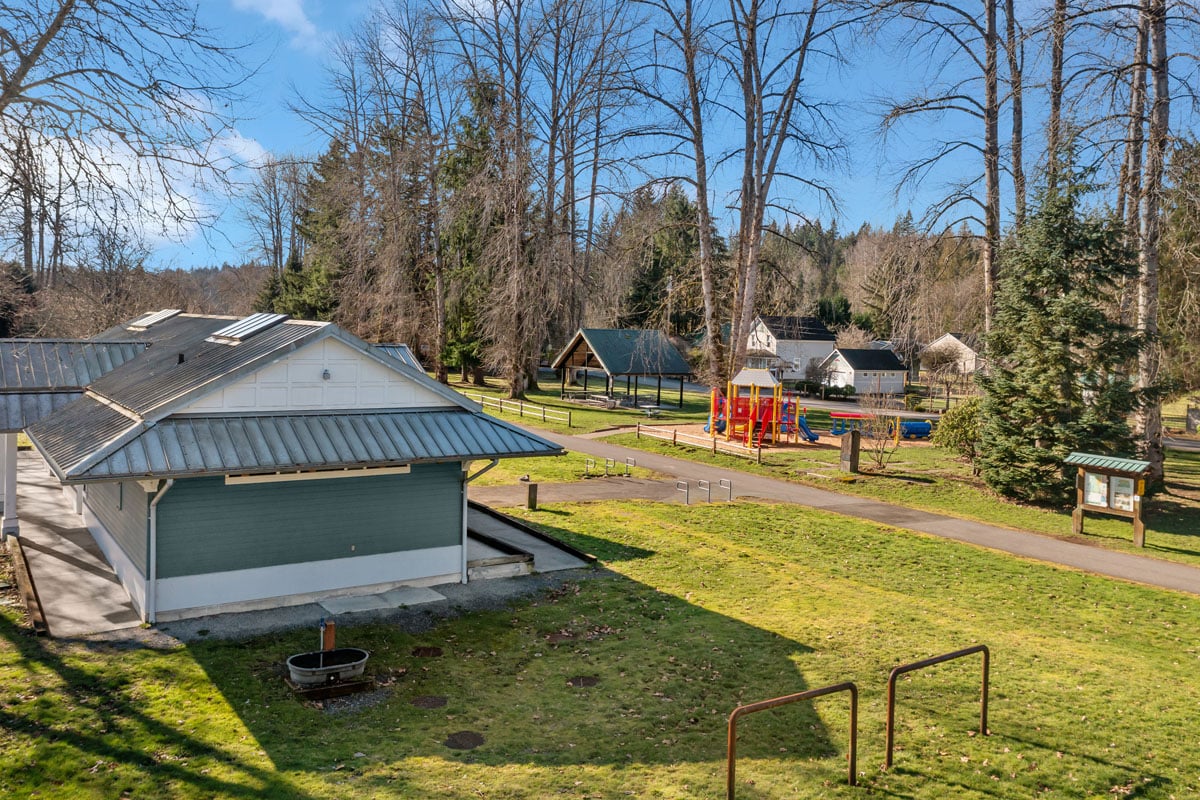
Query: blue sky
[[289, 40]]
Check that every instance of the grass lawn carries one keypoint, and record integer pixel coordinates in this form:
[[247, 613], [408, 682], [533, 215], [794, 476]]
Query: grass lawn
[[932, 479], [1175, 415], [556, 469], [587, 418], [1093, 681]]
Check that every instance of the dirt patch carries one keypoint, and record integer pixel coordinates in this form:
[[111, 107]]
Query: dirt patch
[[353, 703], [583, 681], [429, 701], [427, 652], [464, 740]]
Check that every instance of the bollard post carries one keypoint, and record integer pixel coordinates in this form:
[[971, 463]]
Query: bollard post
[[531, 496], [328, 634], [850, 447]]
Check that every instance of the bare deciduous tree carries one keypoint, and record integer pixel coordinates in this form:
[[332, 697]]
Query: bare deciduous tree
[[137, 92]]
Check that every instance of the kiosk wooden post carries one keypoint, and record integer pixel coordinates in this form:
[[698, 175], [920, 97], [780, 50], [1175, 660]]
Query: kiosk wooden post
[[1109, 485]]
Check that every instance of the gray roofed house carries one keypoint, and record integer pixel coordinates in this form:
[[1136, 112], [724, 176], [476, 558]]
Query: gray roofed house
[[620, 352], [798, 328], [868, 371], [252, 463]]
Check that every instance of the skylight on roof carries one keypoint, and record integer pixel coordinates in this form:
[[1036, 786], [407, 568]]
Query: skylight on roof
[[243, 329], [153, 318]]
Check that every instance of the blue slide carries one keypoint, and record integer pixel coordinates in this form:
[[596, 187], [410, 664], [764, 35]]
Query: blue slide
[[802, 424]]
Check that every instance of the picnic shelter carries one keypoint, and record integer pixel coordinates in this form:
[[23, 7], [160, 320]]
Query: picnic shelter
[[629, 353]]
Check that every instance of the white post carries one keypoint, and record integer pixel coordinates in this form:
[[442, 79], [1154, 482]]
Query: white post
[[10, 525]]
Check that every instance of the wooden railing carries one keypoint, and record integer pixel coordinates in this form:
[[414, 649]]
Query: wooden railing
[[714, 444], [521, 408]]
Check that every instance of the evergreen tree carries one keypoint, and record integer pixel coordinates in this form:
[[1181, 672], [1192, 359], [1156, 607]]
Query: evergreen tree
[[1059, 357]]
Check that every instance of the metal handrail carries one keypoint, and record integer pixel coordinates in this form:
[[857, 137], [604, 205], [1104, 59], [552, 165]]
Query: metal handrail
[[811, 694], [929, 662]]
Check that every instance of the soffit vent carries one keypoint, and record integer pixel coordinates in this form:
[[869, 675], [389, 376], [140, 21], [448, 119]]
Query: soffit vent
[[243, 329], [153, 318]]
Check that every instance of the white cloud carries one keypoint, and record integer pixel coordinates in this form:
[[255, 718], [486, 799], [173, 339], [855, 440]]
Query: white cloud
[[288, 14]]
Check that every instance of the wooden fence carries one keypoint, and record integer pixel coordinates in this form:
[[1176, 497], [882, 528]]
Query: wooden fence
[[521, 408], [713, 444]]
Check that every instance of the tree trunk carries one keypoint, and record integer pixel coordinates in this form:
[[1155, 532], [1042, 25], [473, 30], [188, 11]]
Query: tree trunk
[[991, 164], [1013, 47], [1148, 422], [1058, 35], [712, 325]]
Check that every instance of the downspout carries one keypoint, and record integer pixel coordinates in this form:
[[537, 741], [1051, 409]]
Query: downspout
[[148, 614], [468, 479]]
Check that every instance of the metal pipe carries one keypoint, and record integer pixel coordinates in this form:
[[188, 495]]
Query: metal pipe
[[890, 733], [811, 694], [466, 480], [151, 609]]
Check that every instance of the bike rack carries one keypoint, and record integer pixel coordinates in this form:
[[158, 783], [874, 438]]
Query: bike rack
[[588, 465], [630, 463], [929, 662], [705, 487], [727, 486], [811, 694], [609, 463], [682, 486]]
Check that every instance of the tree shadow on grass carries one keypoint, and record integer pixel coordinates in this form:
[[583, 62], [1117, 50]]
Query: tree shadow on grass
[[84, 726], [666, 672], [603, 549]]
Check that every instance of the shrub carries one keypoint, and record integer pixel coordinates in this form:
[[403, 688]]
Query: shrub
[[959, 430]]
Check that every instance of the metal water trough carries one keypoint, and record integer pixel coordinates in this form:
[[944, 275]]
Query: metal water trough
[[327, 666]]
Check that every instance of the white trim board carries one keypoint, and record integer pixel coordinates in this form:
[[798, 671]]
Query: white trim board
[[293, 584]]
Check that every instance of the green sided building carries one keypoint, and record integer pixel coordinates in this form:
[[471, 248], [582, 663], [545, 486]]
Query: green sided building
[[254, 463]]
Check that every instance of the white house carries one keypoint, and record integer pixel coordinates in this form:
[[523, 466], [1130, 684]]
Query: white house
[[788, 346], [963, 345], [868, 371]]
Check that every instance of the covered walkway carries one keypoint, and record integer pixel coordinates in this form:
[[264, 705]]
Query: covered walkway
[[80, 594]]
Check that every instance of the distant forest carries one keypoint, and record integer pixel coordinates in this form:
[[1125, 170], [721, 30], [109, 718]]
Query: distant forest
[[494, 174]]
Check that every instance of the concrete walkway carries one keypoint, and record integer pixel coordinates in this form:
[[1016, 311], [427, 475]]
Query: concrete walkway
[[79, 592], [1139, 569]]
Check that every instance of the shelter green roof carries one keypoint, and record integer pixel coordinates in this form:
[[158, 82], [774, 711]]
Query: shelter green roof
[[1108, 462], [625, 352]]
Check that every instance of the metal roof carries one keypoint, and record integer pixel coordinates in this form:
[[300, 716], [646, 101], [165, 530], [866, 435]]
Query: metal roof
[[77, 432], [268, 443], [798, 329], [174, 328], [32, 364], [1108, 462], [880, 360], [171, 371], [19, 410], [626, 352], [755, 377]]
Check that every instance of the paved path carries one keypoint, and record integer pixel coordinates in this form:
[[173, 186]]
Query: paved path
[[1140, 569], [80, 594]]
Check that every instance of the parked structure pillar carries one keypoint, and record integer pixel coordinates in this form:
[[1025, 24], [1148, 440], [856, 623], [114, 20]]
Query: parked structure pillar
[[9, 526]]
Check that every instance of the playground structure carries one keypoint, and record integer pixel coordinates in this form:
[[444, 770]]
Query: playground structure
[[747, 413], [897, 428]]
